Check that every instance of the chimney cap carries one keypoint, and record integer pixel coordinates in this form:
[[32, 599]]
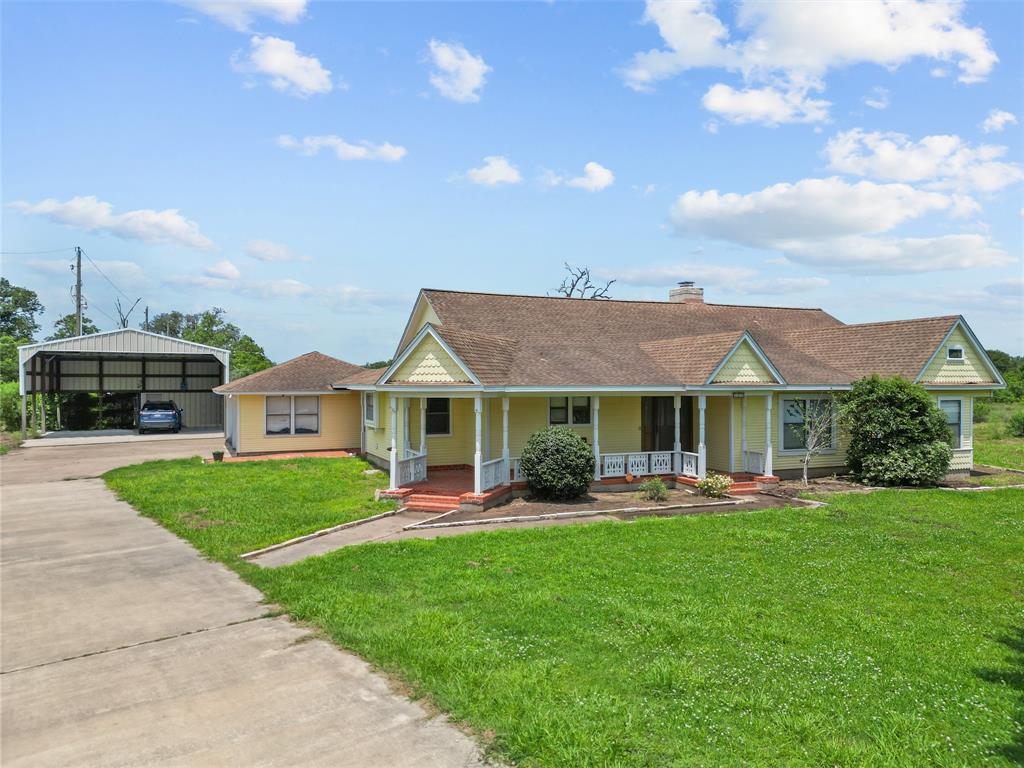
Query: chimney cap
[[686, 283]]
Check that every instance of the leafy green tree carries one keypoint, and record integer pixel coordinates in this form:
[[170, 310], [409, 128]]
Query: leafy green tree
[[9, 358], [211, 328], [378, 364], [1005, 362], [66, 327], [18, 309], [898, 435]]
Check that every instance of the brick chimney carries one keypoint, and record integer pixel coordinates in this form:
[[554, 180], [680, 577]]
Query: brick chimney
[[686, 293]]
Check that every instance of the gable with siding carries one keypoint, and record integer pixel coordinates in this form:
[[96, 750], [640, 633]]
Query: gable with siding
[[744, 366], [971, 370], [429, 363]]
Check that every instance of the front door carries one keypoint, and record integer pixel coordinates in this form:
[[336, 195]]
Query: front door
[[658, 423]]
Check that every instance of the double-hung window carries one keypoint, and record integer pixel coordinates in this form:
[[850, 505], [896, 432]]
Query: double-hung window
[[569, 410], [293, 415], [954, 421], [439, 416], [801, 417], [370, 408]]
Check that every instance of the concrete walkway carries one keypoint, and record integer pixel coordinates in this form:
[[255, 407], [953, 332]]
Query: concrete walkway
[[113, 436], [122, 646]]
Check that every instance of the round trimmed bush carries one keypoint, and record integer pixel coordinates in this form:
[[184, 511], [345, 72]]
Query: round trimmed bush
[[557, 464], [1016, 424], [898, 434]]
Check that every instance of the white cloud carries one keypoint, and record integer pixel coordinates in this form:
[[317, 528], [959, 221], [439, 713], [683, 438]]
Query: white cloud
[[125, 274], [267, 250], [733, 279], [240, 14], [878, 98], [495, 170], [289, 70], [94, 215], [339, 298], [997, 120], [223, 270], [343, 150], [1012, 288], [946, 162], [457, 75], [595, 178], [833, 224], [767, 105], [792, 46]]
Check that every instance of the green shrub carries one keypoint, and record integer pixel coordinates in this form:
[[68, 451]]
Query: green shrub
[[654, 489], [10, 406], [714, 485], [897, 433], [982, 411], [914, 465], [1015, 424], [557, 464]]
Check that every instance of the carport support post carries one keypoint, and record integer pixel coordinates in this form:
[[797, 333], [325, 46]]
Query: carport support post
[[478, 454], [768, 434], [42, 414], [702, 454], [24, 419], [677, 445], [394, 441]]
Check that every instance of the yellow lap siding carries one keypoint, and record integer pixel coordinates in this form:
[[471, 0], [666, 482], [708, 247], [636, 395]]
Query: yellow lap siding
[[744, 366], [339, 426], [429, 363], [716, 432]]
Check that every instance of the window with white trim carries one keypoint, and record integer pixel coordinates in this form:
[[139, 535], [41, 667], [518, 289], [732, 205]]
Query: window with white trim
[[954, 410], [955, 354], [569, 410], [799, 416], [439, 416], [370, 408], [292, 415]]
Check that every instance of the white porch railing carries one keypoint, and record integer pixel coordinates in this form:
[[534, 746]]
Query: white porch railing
[[412, 469], [493, 473], [517, 474], [636, 464], [690, 464], [753, 461]]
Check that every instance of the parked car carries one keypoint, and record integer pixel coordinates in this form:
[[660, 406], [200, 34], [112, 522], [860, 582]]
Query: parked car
[[159, 415]]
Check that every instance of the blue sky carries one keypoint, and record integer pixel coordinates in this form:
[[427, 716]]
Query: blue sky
[[310, 166]]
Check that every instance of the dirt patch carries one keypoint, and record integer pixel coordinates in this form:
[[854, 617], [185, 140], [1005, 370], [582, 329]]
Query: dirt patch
[[832, 484], [197, 520], [981, 476]]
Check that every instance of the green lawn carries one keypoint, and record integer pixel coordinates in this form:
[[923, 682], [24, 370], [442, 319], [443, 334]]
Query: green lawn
[[230, 508], [886, 629], [993, 445]]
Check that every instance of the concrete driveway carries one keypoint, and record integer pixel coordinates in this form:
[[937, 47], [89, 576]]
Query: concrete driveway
[[122, 646]]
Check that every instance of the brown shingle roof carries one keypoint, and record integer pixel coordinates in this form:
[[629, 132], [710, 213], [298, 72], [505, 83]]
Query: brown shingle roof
[[312, 372], [553, 341]]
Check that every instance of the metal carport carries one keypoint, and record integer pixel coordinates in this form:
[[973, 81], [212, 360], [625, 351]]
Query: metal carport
[[152, 366]]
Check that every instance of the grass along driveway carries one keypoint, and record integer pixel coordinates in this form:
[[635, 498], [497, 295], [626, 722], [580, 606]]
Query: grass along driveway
[[227, 509]]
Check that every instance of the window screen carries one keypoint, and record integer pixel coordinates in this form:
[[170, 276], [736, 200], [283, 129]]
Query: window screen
[[307, 415], [279, 415], [558, 410], [438, 416], [954, 422], [581, 410]]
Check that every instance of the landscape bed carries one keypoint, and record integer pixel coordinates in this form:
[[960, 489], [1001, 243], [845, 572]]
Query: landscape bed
[[883, 629]]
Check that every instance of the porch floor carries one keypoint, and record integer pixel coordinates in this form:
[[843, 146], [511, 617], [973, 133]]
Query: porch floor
[[444, 482]]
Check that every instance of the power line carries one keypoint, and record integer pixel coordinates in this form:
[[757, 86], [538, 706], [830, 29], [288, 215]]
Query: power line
[[97, 308], [33, 253], [96, 267]]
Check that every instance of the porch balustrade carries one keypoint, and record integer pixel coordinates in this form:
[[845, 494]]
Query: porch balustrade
[[753, 461], [639, 464], [413, 468], [493, 473]]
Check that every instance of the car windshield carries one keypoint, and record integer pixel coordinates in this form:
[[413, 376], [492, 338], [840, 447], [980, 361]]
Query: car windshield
[[166, 405]]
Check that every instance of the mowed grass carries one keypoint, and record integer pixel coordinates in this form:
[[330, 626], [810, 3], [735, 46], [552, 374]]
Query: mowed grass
[[993, 444], [886, 629], [227, 509]]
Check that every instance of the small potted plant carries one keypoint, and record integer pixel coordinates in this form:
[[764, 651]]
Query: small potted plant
[[218, 455]]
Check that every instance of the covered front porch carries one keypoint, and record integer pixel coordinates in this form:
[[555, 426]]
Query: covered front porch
[[633, 436]]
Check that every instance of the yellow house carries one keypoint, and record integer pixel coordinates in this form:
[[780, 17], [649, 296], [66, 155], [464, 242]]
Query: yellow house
[[675, 388]]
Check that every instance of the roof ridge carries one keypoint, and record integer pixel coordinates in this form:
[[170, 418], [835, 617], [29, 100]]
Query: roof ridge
[[883, 322], [617, 301]]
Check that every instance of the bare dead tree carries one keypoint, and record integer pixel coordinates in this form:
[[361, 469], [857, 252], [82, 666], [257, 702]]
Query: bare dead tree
[[123, 314], [578, 284], [818, 419]]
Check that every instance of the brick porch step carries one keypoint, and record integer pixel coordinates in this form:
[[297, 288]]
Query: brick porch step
[[424, 502]]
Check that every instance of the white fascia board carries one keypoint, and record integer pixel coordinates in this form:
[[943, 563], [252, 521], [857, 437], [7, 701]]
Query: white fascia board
[[419, 297], [428, 329], [961, 323], [757, 351]]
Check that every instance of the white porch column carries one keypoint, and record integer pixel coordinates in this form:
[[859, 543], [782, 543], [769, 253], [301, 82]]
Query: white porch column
[[702, 454], [393, 401], [677, 445], [406, 444], [423, 425], [595, 407], [477, 456], [504, 440], [743, 434], [767, 435]]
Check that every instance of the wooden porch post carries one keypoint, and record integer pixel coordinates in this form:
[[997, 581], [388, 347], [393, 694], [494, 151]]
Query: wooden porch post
[[677, 445], [702, 454], [423, 425], [477, 455], [768, 434], [743, 435], [394, 441], [504, 440], [596, 407]]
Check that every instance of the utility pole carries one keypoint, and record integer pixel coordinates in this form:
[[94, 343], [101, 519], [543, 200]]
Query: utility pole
[[78, 291], [145, 325]]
